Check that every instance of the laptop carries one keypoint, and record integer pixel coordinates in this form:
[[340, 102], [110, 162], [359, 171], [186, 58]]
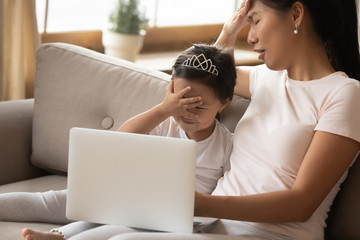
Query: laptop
[[133, 180]]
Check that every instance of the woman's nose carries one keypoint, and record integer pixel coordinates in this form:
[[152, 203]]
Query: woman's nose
[[252, 37]]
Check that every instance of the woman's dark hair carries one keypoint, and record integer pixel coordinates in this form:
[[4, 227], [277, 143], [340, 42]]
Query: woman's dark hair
[[223, 83], [336, 23]]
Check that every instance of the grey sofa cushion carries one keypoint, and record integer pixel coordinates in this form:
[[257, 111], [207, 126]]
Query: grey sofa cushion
[[78, 87], [233, 112], [40, 184]]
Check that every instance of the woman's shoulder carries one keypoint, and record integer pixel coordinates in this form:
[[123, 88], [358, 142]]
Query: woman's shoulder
[[342, 84], [342, 78]]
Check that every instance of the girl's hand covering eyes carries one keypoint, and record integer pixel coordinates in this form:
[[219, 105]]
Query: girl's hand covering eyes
[[175, 104]]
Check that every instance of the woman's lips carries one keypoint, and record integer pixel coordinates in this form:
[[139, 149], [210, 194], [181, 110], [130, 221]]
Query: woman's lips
[[261, 53]]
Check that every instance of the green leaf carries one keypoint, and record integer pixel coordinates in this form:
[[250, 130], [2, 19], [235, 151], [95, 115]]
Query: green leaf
[[127, 18]]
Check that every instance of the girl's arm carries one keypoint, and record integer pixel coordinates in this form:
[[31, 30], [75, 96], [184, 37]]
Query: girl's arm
[[227, 39], [173, 105], [326, 160]]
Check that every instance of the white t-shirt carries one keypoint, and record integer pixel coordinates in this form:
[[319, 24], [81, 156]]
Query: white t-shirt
[[271, 139], [213, 152]]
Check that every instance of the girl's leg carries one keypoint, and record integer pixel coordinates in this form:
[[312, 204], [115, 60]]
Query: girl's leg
[[102, 232], [61, 233], [43, 207], [180, 236], [29, 234], [243, 229], [219, 230], [74, 228]]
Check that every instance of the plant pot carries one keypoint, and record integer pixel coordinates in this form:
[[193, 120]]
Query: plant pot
[[124, 46]]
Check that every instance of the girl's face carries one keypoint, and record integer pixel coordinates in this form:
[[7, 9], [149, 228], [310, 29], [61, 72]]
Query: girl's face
[[201, 127], [271, 33]]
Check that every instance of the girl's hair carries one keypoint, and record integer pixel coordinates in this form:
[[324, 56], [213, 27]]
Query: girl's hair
[[223, 83], [336, 23]]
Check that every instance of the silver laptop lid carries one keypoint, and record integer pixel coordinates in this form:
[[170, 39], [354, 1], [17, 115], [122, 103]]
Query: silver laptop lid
[[131, 179]]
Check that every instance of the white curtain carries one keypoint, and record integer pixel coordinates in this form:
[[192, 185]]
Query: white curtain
[[19, 39]]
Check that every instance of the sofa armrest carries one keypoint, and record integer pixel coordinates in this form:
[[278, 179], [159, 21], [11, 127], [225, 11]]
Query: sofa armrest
[[15, 141]]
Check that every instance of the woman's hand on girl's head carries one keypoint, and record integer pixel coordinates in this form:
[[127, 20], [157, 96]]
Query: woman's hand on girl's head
[[175, 104]]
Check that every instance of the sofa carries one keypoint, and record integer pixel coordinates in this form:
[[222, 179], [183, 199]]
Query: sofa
[[77, 87]]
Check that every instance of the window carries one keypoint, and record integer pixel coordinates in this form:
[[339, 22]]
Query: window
[[173, 24], [72, 15], [193, 12]]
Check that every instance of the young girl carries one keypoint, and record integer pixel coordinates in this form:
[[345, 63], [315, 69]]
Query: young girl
[[203, 81], [202, 85], [300, 133]]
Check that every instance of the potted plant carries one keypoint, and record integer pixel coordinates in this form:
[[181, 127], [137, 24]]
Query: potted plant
[[125, 37]]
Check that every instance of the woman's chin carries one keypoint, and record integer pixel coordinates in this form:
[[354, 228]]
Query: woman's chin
[[273, 66]]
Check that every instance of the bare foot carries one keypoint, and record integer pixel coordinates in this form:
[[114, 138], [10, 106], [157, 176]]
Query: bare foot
[[30, 234]]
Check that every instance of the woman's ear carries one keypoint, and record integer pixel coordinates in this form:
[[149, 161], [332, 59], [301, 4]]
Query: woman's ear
[[297, 11], [223, 105]]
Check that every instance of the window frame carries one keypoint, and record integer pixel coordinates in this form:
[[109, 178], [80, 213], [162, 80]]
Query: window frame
[[156, 39]]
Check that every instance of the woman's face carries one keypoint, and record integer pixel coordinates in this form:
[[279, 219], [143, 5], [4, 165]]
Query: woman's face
[[271, 33]]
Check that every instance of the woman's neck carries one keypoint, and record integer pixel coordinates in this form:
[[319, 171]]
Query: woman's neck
[[312, 62]]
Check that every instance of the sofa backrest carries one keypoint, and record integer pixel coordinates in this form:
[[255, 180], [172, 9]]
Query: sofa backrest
[[77, 87]]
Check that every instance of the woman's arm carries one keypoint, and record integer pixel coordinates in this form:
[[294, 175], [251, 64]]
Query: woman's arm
[[326, 160], [174, 104], [227, 39], [233, 26]]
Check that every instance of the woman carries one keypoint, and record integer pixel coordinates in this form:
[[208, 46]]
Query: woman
[[300, 134], [292, 147]]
